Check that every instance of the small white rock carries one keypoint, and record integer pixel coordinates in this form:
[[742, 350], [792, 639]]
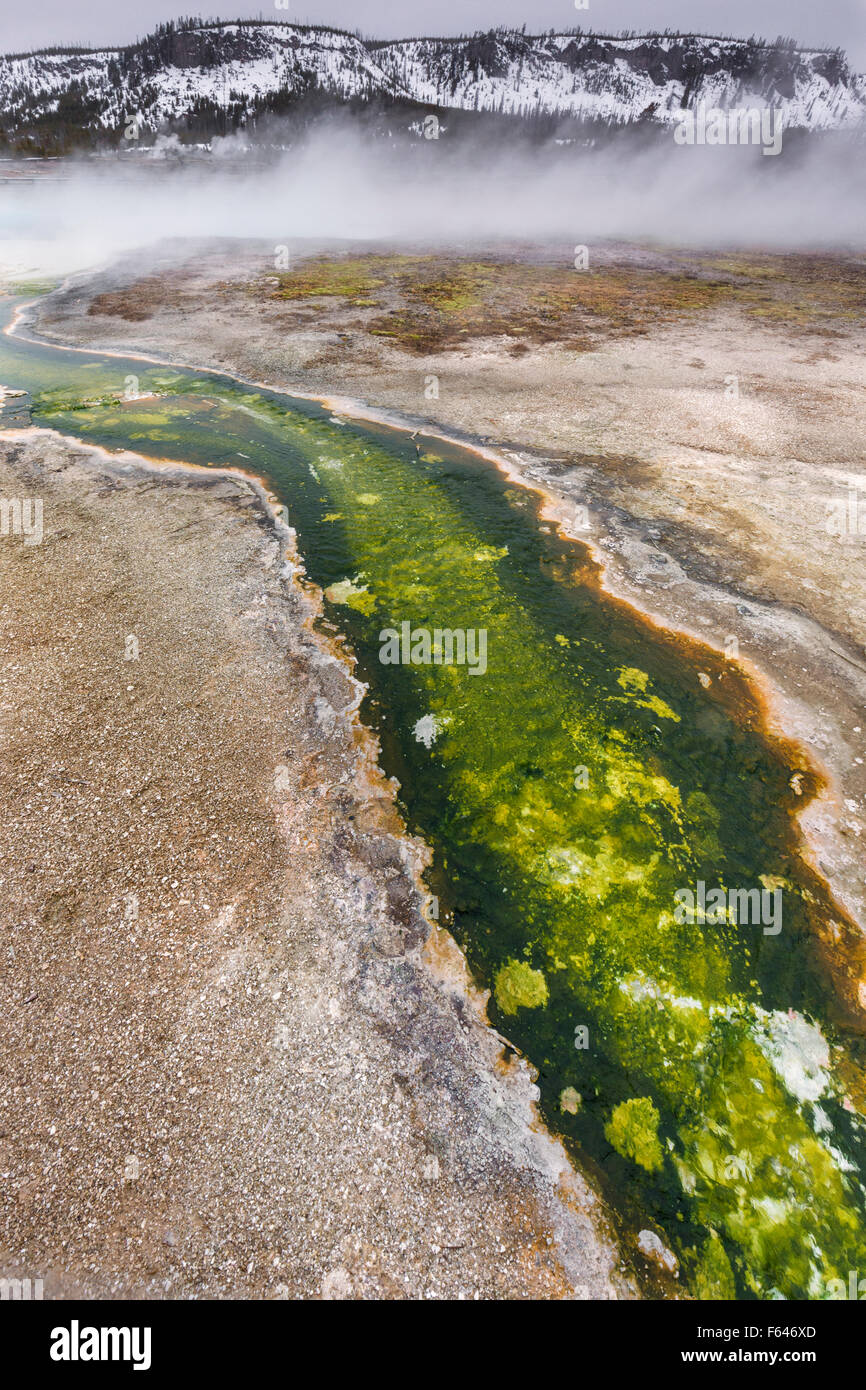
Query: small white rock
[[655, 1250]]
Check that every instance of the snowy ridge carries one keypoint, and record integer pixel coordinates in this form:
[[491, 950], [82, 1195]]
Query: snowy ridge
[[623, 80], [176, 77]]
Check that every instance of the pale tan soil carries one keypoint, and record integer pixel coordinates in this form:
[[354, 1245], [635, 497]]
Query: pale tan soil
[[257, 1084], [708, 452]]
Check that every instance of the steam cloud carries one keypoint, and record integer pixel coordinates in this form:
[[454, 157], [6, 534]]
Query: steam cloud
[[341, 183]]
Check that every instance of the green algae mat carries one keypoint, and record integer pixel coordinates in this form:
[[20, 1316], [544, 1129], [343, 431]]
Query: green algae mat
[[614, 837]]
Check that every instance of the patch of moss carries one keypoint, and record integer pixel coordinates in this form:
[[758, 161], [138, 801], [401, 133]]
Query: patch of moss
[[633, 1131], [634, 683], [353, 280], [432, 303], [714, 1278], [29, 287], [353, 595], [518, 986]]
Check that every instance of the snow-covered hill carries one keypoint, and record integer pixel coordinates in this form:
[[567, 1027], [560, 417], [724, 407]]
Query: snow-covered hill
[[623, 80], [186, 79]]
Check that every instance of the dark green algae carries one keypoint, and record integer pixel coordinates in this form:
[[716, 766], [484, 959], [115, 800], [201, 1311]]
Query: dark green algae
[[567, 793]]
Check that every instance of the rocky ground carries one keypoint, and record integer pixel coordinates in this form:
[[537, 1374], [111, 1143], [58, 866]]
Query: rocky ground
[[232, 1067]]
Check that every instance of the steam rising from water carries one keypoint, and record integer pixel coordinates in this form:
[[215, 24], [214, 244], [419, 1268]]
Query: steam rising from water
[[341, 183]]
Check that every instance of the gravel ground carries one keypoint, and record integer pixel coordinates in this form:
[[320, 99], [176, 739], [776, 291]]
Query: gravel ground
[[232, 1066]]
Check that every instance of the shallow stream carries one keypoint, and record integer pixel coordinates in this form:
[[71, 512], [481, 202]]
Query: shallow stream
[[571, 783]]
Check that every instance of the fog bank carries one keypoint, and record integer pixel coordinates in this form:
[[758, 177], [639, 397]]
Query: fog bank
[[341, 184]]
